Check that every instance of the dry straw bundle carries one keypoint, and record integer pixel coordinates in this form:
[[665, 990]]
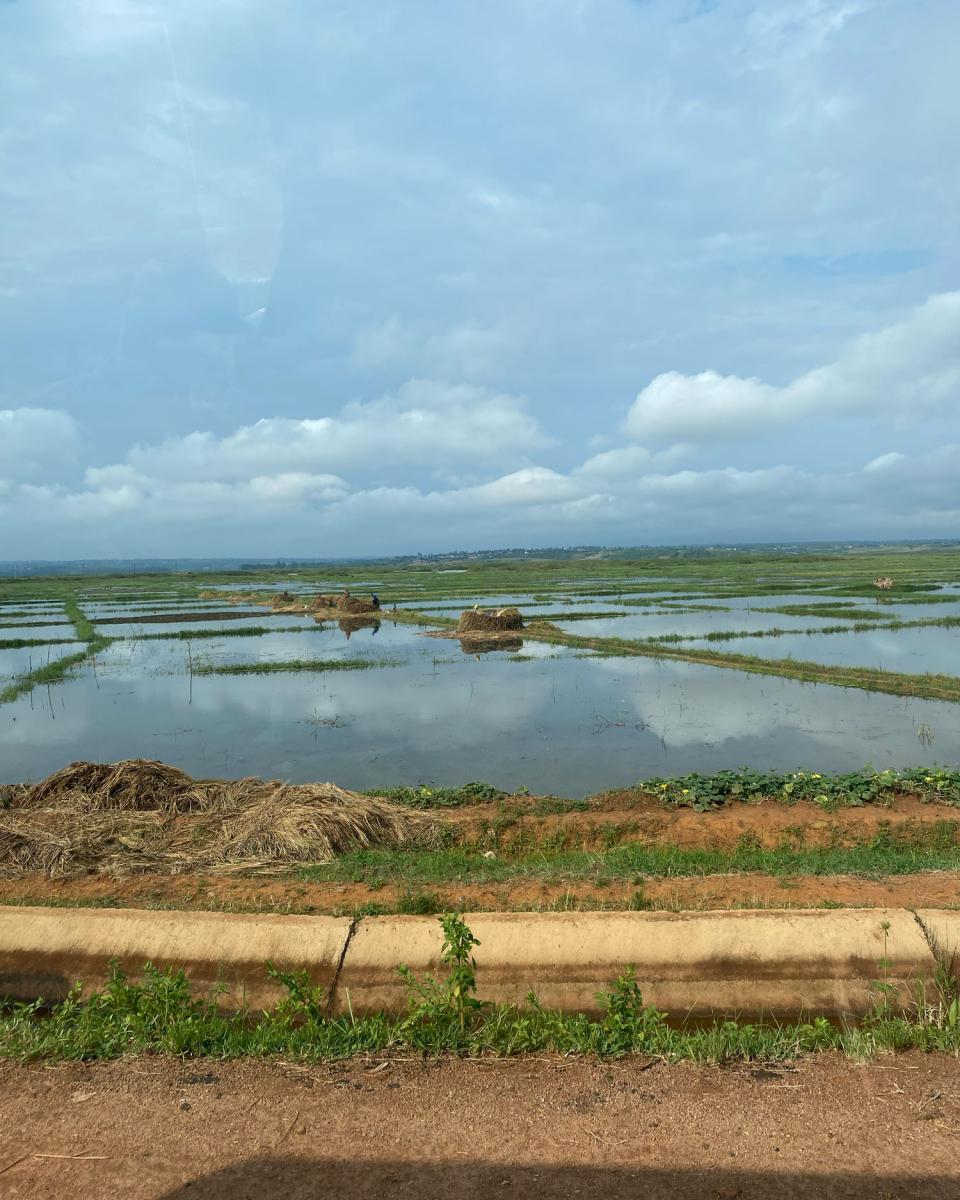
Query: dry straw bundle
[[143, 816], [478, 620]]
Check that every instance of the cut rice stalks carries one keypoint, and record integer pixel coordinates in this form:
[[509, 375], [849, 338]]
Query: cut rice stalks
[[141, 816]]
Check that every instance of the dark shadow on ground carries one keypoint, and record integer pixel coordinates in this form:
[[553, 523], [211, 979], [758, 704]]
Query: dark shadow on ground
[[307, 1179]]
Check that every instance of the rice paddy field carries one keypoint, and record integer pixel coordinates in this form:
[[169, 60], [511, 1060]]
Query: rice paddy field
[[673, 731]]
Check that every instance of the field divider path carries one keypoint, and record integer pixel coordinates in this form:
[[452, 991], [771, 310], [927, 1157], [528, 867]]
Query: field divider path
[[928, 687], [61, 668], [700, 966]]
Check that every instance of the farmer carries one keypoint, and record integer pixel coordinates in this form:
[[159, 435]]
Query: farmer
[[375, 599]]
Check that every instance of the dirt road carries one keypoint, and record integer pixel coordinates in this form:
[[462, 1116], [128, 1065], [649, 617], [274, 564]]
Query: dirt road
[[166, 1129]]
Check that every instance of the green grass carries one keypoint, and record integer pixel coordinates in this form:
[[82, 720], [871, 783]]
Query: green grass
[[62, 668], [297, 664], [190, 635], [444, 1015], [881, 857], [664, 576], [925, 686], [26, 643], [54, 672]]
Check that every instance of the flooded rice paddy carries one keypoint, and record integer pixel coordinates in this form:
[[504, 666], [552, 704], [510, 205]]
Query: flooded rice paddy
[[377, 703]]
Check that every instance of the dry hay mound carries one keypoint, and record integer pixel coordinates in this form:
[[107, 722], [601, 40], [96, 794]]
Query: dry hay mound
[[139, 784], [479, 620], [321, 601], [884, 582], [353, 604], [283, 598], [91, 817]]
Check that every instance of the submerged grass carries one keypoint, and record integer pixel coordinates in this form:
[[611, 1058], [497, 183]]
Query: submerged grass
[[925, 686], [297, 664], [26, 643], [62, 668], [189, 635]]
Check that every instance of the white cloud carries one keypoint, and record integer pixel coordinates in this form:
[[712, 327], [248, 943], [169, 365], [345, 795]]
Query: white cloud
[[900, 374], [884, 461], [34, 439], [423, 424]]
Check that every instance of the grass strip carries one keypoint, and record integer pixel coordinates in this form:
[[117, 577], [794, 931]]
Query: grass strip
[[56, 672], [159, 1014], [189, 635], [25, 643], [928, 686], [297, 664], [881, 857]]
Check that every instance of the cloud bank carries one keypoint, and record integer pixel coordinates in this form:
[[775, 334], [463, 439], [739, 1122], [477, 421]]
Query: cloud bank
[[438, 465]]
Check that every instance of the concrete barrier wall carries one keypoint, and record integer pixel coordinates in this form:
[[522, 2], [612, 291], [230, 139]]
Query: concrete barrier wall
[[943, 934], [44, 951], [704, 964]]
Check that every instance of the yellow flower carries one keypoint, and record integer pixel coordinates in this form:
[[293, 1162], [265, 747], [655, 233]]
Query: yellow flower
[[685, 791], [816, 776]]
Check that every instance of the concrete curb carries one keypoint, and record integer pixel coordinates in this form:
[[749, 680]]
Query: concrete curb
[[702, 965], [45, 951]]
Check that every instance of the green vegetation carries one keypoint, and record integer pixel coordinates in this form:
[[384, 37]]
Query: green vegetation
[[427, 796], [190, 635], [891, 852], [296, 664], [444, 1015], [926, 686], [672, 580], [61, 668], [854, 788], [26, 643]]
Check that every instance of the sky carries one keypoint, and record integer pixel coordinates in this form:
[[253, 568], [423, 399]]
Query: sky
[[363, 277]]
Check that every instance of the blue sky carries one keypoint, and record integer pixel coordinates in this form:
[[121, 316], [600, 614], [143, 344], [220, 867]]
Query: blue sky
[[305, 277]]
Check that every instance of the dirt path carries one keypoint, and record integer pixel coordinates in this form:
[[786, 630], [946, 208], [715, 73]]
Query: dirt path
[[156, 1128], [277, 895]]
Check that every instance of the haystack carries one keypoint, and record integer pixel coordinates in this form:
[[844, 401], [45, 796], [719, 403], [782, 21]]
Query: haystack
[[478, 620], [283, 598], [353, 604], [320, 602], [142, 816], [884, 582]]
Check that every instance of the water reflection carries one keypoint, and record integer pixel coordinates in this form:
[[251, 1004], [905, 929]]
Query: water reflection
[[560, 723]]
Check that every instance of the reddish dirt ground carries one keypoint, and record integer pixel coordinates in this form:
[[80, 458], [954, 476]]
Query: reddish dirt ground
[[924, 890], [614, 818], [160, 1129], [642, 819]]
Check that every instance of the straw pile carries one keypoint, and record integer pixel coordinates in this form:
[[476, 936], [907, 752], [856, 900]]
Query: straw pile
[[884, 582], [353, 604], [479, 620], [140, 816], [283, 598]]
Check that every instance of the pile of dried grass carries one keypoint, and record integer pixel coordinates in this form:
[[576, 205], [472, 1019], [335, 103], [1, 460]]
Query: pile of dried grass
[[479, 620], [353, 604], [283, 598], [141, 816]]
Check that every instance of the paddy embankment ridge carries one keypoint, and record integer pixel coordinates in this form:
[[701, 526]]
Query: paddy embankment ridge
[[746, 741]]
